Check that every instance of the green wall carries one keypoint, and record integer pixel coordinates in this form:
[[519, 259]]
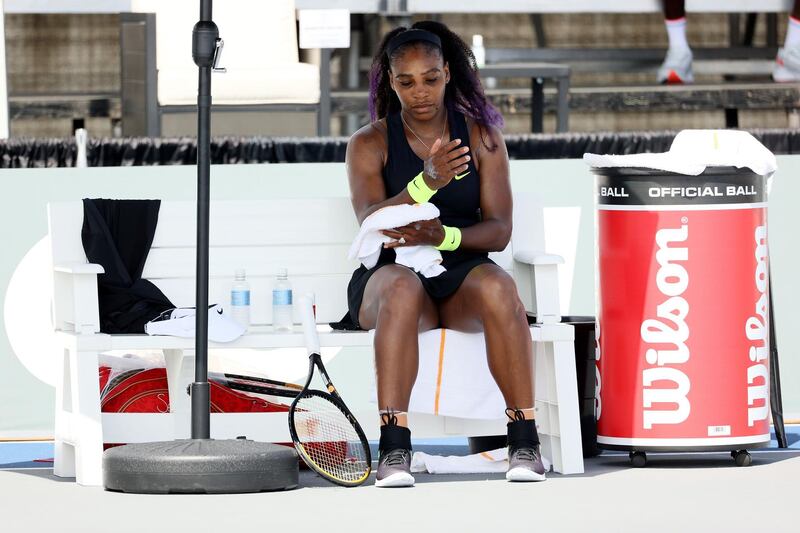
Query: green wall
[[26, 404]]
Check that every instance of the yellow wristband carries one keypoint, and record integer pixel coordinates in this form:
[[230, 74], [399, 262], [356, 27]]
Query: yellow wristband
[[419, 190], [452, 239]]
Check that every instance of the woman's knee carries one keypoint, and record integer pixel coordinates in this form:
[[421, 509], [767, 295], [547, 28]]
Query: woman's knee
[[403, 293], [498, 295]]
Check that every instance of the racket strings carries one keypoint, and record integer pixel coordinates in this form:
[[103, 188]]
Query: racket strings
[[329, 438]]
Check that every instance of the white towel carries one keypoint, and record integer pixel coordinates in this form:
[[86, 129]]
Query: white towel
[[694, 150], [493, 461], [453, 377], [490, 462], [368, 243]]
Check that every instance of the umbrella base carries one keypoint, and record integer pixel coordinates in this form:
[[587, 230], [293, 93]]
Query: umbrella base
[[195, 466]]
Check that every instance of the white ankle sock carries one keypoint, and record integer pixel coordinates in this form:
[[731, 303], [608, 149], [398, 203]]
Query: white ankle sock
[[676, 32], [792, 33]]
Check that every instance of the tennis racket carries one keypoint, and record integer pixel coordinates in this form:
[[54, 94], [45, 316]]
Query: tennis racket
[[324, 432], [258, 385]]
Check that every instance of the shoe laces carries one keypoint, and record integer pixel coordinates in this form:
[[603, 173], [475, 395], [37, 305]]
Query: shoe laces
[[526, 454], [515, 414], [395, 457]]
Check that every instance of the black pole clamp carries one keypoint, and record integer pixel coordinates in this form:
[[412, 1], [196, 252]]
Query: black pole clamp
[[206, 44]]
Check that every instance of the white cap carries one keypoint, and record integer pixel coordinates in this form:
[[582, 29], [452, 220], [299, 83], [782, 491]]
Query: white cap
[[180, 322], [477, 40]]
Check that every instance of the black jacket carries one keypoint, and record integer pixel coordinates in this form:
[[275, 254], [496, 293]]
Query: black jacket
[[117, 234]]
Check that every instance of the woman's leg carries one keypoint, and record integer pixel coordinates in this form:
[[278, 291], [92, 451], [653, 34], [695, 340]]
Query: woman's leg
[[487, 301], [398, 308], [396, 305]]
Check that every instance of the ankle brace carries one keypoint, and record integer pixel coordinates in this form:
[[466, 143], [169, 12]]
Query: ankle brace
[[522, 433], [394, 437]]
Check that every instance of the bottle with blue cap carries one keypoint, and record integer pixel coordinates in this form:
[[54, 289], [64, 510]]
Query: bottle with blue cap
[[282, 302], [240, 299]]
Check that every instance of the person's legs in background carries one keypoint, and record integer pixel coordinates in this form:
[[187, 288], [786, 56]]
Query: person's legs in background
[[787, 64], [677, 66]]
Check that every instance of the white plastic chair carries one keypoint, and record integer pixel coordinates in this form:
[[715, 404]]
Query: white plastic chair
[[264, 72]]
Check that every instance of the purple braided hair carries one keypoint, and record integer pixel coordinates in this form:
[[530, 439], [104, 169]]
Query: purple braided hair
[[464, 93]]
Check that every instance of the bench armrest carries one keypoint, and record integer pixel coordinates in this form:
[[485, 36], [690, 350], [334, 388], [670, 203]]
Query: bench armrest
[[75, 303], [536, 257], [79, 268], [537, 281]]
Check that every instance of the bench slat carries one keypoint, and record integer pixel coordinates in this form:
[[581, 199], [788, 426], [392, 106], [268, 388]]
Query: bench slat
[[264, 261], [261, 261], [260, 223]]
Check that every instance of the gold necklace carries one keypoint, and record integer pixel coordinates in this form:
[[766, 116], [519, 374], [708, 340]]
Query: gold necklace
[[441, 135]]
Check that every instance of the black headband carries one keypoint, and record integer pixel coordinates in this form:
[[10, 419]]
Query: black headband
[[412, 35]]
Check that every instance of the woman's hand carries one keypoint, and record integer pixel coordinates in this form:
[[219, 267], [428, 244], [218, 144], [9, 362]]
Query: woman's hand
[[444, 163], [423, 232]]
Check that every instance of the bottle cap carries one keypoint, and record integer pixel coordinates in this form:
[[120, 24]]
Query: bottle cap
[[477, 40], [239, 274], [283, 272]]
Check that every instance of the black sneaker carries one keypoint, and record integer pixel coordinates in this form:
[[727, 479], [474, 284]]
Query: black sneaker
[[524, 453], [525, 464], [394, 469], [394, 463]]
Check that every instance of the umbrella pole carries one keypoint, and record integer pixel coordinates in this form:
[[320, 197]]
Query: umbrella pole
[[201, 464], [204, 42]]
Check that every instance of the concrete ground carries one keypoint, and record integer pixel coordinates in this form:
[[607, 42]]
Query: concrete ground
[[674, 493]]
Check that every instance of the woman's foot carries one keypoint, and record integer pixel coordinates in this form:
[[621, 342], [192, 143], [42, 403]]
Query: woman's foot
[[524, 455], [394, 462], [525, 464], [394, 469]]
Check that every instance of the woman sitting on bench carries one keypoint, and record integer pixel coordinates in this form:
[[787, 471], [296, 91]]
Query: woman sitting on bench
[[435, 137]]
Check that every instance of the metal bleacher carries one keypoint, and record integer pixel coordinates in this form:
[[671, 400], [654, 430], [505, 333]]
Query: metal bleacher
[[743, 69]]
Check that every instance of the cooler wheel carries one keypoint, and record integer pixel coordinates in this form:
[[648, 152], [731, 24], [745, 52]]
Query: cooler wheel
[[742, 457], [638, 459]]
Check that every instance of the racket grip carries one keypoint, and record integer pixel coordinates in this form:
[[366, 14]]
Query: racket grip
[[309, 324]]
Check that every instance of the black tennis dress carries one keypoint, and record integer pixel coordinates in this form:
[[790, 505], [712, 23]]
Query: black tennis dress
[[458, 203]]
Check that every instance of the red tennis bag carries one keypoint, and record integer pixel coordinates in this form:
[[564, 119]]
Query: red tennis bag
[[146, 391]]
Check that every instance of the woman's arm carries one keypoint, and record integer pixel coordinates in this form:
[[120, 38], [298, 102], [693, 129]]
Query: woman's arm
[[365, 158], [494, 231]]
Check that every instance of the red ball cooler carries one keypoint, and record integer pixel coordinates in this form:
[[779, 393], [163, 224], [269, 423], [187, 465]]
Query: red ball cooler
[[683, 331]]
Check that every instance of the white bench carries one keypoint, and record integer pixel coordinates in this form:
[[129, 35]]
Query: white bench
[[311, 238]]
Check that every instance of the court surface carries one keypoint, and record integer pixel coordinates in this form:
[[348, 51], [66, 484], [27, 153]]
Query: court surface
[[676, 492]]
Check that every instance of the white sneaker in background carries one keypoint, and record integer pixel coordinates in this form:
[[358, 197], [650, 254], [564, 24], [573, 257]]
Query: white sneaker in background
[[677, 67], [787, 64]]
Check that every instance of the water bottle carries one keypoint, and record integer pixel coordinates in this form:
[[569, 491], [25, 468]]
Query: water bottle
[[478, 50], [81, 136], [240, 299], [282, 302]]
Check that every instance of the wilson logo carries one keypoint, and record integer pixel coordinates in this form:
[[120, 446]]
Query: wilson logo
[[665, 385], [598, 401], [757, 331]]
